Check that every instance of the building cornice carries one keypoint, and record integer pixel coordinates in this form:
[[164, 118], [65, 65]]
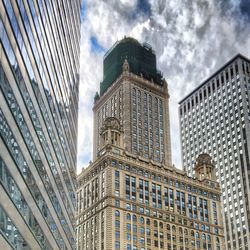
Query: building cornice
[[151, 166]]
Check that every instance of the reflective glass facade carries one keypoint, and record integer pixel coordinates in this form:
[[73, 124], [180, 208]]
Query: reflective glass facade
[[215, 118], [39, 82]]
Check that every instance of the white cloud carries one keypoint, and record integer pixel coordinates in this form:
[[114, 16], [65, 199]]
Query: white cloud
[[129, 3], [191, 41], [139, 28]]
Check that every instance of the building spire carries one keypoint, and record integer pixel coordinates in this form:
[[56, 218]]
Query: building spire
[[125, 66]]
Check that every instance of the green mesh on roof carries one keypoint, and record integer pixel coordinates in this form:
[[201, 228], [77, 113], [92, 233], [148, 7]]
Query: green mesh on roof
[[141, 59]]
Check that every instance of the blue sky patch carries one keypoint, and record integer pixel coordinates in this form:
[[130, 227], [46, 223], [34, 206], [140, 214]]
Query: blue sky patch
[[83, 10], [144, 7], [245, 8], [96, 47]]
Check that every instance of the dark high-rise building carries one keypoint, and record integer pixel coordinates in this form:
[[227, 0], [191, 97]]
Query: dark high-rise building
[[215, 118], [39, 80], [131, 197]]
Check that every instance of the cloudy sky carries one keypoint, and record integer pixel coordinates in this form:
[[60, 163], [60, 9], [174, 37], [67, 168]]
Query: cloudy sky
[[191, 39]]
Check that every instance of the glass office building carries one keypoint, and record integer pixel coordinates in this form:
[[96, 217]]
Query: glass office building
[[215, 118], [39, 81]]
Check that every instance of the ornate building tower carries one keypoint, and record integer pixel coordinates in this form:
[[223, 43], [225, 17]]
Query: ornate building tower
[[131, 197], [134, 92]]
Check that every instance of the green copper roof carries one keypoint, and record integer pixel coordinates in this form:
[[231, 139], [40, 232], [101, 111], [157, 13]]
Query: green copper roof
[[141, 59]]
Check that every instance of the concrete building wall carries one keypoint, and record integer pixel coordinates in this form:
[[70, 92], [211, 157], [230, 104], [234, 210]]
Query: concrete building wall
[[214, 119]]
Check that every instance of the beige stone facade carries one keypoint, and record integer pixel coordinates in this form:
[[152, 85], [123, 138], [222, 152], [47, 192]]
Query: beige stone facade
[[125, 202], [142, 108]]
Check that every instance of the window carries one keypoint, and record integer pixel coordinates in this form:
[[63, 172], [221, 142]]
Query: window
[[117, 234], [128, 216], [142, 220], [134, 218], [117, 223], [117, 203], [117, 245]]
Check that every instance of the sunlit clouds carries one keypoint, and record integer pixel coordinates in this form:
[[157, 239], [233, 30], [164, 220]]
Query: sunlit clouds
[[191, 39]]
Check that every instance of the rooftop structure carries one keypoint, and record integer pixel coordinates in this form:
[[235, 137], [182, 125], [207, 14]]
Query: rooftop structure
[[141, 59]]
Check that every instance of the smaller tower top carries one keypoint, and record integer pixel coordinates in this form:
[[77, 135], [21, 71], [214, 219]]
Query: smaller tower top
[[111, 132], [204, 167]]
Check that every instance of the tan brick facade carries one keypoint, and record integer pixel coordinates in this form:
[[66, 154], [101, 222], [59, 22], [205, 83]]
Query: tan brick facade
[[160, 223], [146, 135]]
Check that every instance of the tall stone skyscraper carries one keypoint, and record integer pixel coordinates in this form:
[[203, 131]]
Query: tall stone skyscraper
[[131, 197], [39, 80], [215, 118], [146, 132]]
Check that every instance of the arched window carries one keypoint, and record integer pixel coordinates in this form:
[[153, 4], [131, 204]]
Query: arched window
[[148, 221], [155, 223], [161, 225], [128, 216], [168, 227], [134, 218], [203, 236], [173, 228], [180, 230], [197, 236], [117, 213], [192, 233], [185, 231], [142, 220]]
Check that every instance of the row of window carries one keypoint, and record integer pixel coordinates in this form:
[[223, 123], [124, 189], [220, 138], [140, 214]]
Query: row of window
[[164, 179], [143, 227], [55, 86], [21, 205], [147, 126], [12, 234], [9, 95], [21, 163], [92, 192], [162, 197]]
